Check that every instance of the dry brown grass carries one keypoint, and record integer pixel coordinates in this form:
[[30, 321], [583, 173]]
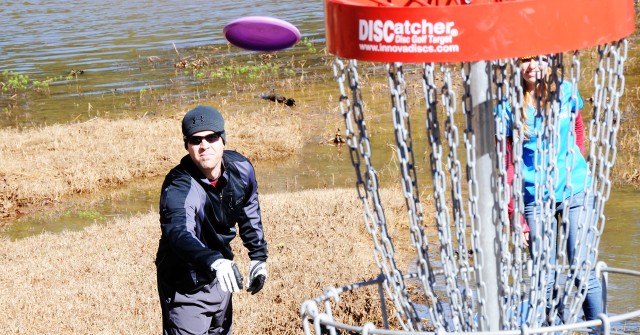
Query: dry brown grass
[[39, 166], [627, 169], [101, 280]]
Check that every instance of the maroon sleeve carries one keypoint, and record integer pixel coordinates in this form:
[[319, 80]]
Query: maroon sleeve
[[579, 132], [510, 174], [508, 163]]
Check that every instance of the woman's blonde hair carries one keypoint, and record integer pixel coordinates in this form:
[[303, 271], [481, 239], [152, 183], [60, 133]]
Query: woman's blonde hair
[[536, 98]]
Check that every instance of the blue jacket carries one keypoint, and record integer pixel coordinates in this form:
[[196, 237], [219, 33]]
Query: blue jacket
[[568, 158], [198, 220]]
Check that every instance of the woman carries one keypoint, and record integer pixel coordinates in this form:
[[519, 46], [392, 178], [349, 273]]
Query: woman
[[570, 177]]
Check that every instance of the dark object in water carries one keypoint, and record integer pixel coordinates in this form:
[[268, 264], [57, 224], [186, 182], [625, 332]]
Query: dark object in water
[[337, 139], [278, 98], [76, 73]]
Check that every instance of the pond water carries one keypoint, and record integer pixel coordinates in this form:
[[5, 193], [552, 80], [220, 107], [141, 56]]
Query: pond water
[[103, 53], [104, 58]]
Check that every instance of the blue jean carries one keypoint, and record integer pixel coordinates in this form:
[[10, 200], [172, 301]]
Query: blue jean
[[592, 305]]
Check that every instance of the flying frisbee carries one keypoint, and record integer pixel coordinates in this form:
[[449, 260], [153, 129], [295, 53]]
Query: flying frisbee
[[261, 33]]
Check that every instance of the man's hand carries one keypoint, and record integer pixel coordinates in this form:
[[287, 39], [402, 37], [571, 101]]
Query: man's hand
[[228, 275], [257, 276]]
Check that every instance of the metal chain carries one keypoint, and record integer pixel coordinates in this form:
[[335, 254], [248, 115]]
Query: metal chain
[[465, 311], [554, 231], [574, 301], [519, 297], [606, 111], [511, 255], [368, 191], [517, 137], [472, 185], [524, 293], [501, 83], [604, 125], [404, 150], [455, 261], [542, 235]]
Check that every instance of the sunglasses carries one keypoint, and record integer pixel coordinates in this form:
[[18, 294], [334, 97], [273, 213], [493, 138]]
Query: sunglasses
[[539, 59], [196, 140]]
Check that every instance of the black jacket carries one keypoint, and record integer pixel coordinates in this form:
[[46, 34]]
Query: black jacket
[[198, 220]]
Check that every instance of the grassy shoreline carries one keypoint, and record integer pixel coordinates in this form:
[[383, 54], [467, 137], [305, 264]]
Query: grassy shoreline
[[43, 165]]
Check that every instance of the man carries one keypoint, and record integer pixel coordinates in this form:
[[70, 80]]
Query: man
[[202, 200]]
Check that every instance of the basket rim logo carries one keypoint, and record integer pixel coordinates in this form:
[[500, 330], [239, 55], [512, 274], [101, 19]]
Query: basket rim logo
[[407, 32]]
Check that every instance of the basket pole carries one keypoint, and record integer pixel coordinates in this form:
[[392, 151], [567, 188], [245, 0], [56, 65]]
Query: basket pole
[[483, 122]]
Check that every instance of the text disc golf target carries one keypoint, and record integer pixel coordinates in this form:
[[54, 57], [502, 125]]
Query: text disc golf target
[[261, 33]]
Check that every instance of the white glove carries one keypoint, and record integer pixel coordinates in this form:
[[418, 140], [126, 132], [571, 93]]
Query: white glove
[[228, 275], [257, 276]]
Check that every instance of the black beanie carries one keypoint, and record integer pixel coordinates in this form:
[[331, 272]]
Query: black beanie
[[203, 118]]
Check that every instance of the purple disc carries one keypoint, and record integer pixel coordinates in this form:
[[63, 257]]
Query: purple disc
[[261, 33]]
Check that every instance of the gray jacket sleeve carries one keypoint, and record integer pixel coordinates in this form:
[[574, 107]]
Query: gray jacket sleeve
[[250, 220], [180, 223]]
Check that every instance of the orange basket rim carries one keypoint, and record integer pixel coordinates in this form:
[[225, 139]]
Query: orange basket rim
[[369, 30]]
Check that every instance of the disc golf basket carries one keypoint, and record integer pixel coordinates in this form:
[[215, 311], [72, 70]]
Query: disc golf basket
[[501, 288]]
